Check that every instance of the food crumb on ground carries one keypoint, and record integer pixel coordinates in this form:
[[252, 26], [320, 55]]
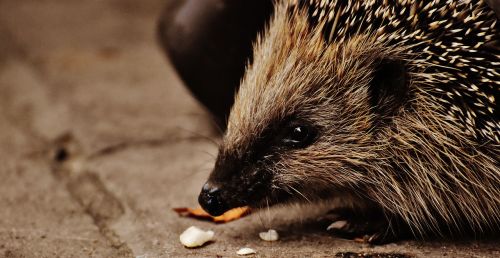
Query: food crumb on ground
[[245, 251], [270, 235], [194, 237]]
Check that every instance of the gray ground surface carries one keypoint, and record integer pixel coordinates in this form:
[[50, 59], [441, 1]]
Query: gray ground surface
[[85, 81]]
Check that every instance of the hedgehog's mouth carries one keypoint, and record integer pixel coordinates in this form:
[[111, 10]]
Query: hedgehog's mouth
[[219, 197]]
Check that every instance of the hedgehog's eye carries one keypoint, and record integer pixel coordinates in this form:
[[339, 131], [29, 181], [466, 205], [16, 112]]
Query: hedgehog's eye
[[299, 136]]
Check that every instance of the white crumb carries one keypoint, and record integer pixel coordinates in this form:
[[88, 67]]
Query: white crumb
[[270, 235], [245, 251], [194, 237], [339, 224]]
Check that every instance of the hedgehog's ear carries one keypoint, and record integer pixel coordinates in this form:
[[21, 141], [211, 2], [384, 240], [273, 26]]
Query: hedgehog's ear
[[389, 87]]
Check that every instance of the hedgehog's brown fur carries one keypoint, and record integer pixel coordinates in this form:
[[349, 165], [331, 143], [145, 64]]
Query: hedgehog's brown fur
[[434, 162]]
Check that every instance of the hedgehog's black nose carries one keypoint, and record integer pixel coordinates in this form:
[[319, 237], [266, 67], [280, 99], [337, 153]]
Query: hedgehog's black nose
[[211, 201]]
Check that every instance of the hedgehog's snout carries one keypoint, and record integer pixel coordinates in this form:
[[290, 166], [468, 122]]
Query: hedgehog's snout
[[224, 189], [211, 200]]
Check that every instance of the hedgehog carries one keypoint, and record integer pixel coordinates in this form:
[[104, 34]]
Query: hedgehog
[[387, 110]]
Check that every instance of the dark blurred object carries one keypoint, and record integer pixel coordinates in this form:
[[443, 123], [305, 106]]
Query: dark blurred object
[[210, 42]]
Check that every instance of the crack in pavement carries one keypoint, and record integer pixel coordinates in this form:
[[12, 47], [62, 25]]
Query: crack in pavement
[[68, 163], [151, 143]]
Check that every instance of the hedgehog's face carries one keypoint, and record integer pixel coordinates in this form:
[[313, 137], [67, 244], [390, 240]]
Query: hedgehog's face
[[301, 126], [247, 175]]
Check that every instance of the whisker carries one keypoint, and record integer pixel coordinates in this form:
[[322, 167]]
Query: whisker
[[297, 191], [202, 136]]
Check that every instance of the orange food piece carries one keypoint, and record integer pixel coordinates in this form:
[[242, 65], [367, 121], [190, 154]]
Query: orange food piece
[[199, 213], [359, 240]]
